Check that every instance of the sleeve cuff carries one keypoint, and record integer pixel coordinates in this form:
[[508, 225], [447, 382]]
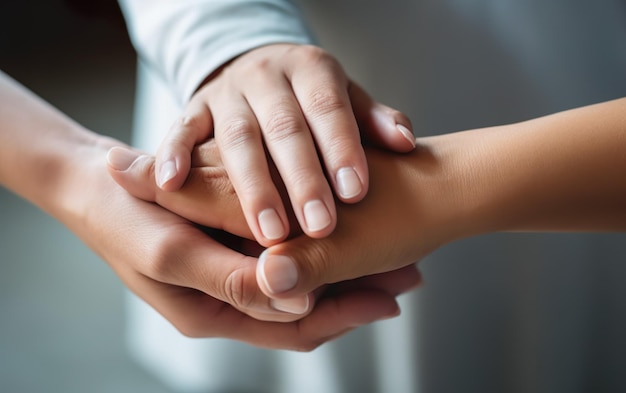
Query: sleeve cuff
[[186, 40]]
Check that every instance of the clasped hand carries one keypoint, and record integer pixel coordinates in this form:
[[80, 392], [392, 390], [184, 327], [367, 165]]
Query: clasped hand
[[318, 288], [290, 99]]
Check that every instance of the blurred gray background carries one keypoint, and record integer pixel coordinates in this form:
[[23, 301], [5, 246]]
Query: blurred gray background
[[61, 307], [505, 312]]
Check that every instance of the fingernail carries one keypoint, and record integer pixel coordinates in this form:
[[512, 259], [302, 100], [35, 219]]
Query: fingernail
[[120, 158], [348, 183], [316, 215], [278, 272], [167, 172], [298, 305], [271, 225], [406, 133]]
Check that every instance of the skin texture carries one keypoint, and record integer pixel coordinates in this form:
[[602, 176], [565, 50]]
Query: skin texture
[[191, 278], [282, 105], [562, 172]]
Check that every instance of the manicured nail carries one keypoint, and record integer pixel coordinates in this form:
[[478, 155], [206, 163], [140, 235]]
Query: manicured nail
[[316, 215], [348, 183], [298, 305], [271, 225], [120, 158], [406, 133], [278, 272], [167, 172]]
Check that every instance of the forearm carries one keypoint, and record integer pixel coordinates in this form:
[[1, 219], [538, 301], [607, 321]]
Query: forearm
[[42, 151], [186, 40], [563, 172]]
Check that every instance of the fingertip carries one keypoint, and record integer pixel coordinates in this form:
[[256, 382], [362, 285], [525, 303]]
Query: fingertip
[[166, 171], [121, 158], [409, 143], [276, 274], [350, 187], [319, 218], [271, 225], [299, 305], [132, 171], [172, 172], [397, 133], [390, 129]]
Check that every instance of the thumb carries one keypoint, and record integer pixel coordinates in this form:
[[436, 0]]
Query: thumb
[[381, 125], [302, 265], [275, 272], [207, 198], [133, 171]]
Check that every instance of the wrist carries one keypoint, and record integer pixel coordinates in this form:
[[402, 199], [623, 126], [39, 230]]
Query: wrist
[[481, 179], [427, 204], [77, 167], [456, 196], [449, 205]]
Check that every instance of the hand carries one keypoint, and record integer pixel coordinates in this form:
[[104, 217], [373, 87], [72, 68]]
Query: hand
[[539, 175], [193, 280], [405, 216], [294, 101], [389, 230]]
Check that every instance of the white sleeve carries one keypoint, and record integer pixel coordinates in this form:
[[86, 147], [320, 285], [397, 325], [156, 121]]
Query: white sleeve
[[186, 40]]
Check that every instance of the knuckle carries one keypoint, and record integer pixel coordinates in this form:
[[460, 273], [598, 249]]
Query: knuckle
[[318, 263], [253, 65], [235, 133], [327, 97], [304, 182], [146, 172], [190, 121], [164, 263], [250, 187], [343, 145], [217, 181], [232, 190], [207, 154], [182, 127], [236, 292], [283, 125], [325, 100], [159, 269], [316, 56]]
